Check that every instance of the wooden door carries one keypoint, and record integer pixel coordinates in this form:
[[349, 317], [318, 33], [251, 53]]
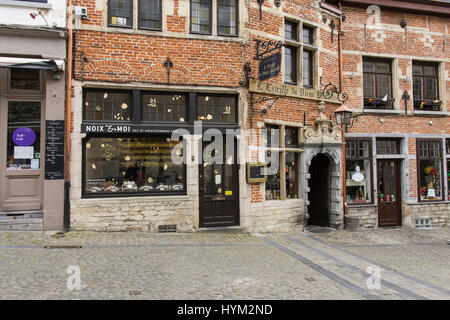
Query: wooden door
[[21, 154], [219, 192], [389, 195]]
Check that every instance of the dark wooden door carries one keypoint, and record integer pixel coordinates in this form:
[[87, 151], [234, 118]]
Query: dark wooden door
[[389, 196], [319, 191], [219, 192]]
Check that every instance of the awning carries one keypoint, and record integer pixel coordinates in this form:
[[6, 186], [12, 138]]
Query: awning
[[26, 63]]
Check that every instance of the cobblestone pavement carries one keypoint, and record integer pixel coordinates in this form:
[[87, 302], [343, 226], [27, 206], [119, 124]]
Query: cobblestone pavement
[[414, 265]]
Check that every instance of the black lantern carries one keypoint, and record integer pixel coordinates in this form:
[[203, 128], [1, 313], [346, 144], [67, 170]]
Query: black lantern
[[344, 117]]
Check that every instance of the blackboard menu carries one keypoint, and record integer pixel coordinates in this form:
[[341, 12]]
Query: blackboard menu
[[54, 149]]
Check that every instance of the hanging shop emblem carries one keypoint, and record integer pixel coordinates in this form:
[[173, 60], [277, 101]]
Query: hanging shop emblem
[[269, 67]]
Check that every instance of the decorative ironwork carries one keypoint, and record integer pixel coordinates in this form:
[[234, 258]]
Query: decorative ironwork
[[168, 64], [265, 47], [247, 70], [260, 100], [406, 97], [332, 26], [277, 3], [330, 90], [260, 8]]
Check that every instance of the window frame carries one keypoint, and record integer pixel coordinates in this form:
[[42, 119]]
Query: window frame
[[108, 90], [423, 64], [85, 194], [237, 20], [397, 145], [441, 159], [377, 61], [141, 107], [210, 19], [357, 157], [139, 19], [206, 123], [131, 16]]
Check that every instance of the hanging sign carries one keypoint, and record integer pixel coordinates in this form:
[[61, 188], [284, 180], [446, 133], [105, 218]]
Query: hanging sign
[[269, 67], [24, 137]]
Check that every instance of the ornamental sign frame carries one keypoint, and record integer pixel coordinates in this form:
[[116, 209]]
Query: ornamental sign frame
[[286, 90]]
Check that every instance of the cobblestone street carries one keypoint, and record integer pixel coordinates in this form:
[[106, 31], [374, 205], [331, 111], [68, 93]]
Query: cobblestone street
[[316, 264]]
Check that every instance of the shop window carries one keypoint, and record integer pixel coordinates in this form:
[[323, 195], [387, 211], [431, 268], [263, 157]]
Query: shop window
[[24, 135], [448, 179], [425, 86], [282, 180], [388, 146], [164, 107], [120, 13], [227, 17], [216, 109], [149, 15], [25, 79], [201, 12], [377, 84], [129, 165], [358, 170], [429, 164], [107, 105]]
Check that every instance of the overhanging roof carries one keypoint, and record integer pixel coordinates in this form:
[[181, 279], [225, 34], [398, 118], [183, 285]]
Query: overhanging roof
[[27, 63]]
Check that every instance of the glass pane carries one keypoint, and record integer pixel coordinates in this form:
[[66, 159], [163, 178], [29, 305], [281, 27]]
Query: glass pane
[[364, 151], [291, 176], [351, 149], [273, 183], [383, 86], [291, 137], [124, 165], [104, 105], [358, 182], [429, 70], [430, 187], [219, 109], [448, 179], [387, 147], [227, 14], [430, 89], [417, 69], [150, 14], [368, 67], [290, 65], [164, 107], [273, 137], [25, 79], [382, 67], [290, 30], [307, 68], [121, 12], [447, 143], [369, 85], [423, 149], [201, 16], [24, 135], [418, 88], [308, 35]]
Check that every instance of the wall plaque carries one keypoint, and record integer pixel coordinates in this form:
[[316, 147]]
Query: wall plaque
[[256, 172]]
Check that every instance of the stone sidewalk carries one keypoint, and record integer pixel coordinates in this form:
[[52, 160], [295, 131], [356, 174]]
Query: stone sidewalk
[[414, 264]]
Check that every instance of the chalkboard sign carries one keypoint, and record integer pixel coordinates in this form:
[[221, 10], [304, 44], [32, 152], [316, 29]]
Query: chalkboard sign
[[54, 149], [256, 172]]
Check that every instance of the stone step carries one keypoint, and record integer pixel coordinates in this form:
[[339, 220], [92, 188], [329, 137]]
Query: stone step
[[22, 225], [237, 230], [19, 215]]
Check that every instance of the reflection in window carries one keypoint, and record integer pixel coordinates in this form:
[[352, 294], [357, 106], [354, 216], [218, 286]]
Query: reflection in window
[[25, 79], [291, 176], [125, 165], [290, 30], [448, 179], [308, 35], [388, 146], [227, 17], [201, 16], [291, 137], [273, 191], [164, 107], [358, 170], [429, 170], [219, 109], [106, 105], [120, 13], [273, 137], [24, 135], [150, 14], [290, 65], [308, 68]]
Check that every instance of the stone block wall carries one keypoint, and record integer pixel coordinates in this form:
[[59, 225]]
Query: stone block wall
[[368, 215], [439, 213]]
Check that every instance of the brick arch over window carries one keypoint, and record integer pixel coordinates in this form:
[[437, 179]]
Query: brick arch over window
[[178, 74], [109, 67], [333, 153], [220, 74]]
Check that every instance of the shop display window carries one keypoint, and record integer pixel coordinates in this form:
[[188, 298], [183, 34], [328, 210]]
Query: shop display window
[[429, 164], [133, 165], [273, 191], [216, 109], [107, 105], [291, 176], [164, 107], [358, 172]]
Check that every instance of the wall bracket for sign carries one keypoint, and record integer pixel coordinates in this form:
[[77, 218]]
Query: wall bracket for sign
[[260, 100], [265, 47], [331, 89]]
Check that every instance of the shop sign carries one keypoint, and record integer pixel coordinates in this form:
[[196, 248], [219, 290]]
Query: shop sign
[[24, 137], [121, 128], [269, 67], [280, 89]]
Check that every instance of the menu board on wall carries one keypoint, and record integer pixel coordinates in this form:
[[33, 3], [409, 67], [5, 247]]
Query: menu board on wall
[[54, 149]]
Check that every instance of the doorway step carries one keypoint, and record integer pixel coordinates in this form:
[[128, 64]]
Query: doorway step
[[22, 220], [233, 229]]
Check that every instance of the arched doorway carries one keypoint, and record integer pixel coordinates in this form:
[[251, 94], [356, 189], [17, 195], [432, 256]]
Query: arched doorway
[[319, 191]]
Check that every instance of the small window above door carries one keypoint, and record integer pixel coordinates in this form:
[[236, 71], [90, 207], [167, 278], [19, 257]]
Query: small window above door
[[25, 79]]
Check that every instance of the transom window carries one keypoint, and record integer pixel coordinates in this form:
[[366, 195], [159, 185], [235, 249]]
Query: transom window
[[359, 171], [425, 91], [25, 79], [377, 84], [388, 146], [299, 51], [107, 105], [429, 168], [164, 107], [120, 14]]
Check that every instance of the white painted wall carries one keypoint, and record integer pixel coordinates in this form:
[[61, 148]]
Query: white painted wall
[[16, 12]]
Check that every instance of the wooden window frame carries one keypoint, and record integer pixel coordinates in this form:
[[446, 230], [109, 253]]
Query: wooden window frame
[[423, 77], [131, 16], [132, 104], [378, 61], [397, 145], [210, 19]]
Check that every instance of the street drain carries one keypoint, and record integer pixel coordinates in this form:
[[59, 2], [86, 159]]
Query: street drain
[[135, 293], [310, 279], [63, 247]]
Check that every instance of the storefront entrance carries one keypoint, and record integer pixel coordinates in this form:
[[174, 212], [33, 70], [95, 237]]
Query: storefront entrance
[[319, 193], [389, 200], [21, 150], [219, 190]]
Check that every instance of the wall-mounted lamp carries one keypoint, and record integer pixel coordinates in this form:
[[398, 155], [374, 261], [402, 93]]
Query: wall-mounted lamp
[[430, 123], [352, 75], [381, 120]]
